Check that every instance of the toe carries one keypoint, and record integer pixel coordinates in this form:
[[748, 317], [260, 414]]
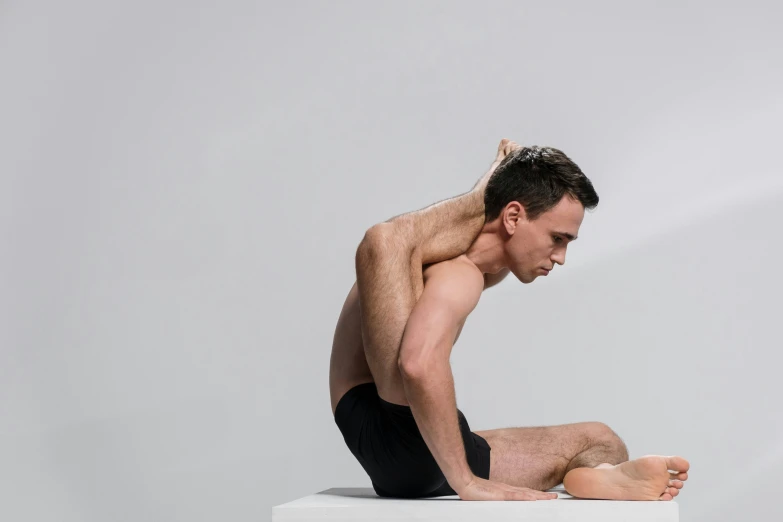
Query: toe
[[673, 492], [665, 496], [678, 476], [677, 464], [676, 484]]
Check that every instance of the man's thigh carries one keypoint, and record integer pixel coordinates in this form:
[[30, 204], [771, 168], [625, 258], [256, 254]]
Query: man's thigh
[[537, 457]]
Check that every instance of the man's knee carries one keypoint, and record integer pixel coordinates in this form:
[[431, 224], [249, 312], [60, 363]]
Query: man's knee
[[599, 433], [382, 240]]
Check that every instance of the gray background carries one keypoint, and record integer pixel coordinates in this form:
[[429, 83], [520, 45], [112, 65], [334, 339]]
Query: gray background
[[184, 185]]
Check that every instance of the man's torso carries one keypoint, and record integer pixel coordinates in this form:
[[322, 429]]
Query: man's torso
[[348, 366]]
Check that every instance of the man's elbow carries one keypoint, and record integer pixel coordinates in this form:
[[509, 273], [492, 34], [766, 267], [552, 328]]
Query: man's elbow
[[409, 368], [414, 368]]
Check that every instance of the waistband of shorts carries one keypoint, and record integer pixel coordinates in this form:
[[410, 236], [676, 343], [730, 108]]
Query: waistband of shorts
[[395, 408], [369, 390], [352, 395]]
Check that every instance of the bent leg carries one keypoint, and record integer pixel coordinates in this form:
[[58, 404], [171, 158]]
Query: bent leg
[[447, 228], [389, 264], [539, 457]]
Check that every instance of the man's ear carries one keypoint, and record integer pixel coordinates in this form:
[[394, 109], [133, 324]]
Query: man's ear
[[512, 215]]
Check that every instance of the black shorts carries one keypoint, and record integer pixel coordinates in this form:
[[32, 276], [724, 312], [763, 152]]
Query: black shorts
[[386, 441]]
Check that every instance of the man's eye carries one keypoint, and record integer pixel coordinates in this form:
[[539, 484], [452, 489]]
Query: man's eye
[[558, 239]]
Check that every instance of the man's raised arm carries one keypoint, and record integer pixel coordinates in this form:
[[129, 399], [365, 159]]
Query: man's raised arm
[[452, 291]]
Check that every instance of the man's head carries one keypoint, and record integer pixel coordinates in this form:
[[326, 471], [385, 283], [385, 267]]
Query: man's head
[[539, 197]]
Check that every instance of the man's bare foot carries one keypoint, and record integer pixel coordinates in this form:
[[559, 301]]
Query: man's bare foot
[[646, 478], [505, 148]]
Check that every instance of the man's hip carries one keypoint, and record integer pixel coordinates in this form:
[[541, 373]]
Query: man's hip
[[386, 441]]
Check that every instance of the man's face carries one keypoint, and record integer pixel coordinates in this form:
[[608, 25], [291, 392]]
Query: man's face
[[538, 245]]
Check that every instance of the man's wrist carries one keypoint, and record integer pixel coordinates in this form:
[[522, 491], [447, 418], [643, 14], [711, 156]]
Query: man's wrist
[[461, 481]]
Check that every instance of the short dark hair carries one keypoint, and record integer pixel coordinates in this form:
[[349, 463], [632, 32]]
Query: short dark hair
[[537, 178]]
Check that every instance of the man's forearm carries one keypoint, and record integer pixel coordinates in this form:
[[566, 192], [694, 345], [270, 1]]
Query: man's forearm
[[432, 400]]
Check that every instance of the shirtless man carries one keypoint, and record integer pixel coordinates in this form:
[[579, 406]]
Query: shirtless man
[[419, 275]]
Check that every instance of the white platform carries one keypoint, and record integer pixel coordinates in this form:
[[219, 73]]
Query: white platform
[[352, 504]]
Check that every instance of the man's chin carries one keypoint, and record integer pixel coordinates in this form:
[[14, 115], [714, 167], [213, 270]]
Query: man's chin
[[532, 277], [526, 279]]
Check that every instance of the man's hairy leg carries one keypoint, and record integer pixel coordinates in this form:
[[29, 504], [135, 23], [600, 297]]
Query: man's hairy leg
[[389, 264], [540, 457], [447, 228], [587, 457]]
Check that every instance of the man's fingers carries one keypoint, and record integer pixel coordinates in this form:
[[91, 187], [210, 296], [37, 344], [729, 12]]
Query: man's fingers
[[520, 495], [543, 495], [532, 494], [515, 493]]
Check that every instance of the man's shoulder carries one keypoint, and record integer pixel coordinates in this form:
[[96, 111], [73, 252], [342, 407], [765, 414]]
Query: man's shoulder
[[456, 270], [454, 285]]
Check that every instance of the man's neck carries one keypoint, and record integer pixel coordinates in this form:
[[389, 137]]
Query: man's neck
[[486, 251]]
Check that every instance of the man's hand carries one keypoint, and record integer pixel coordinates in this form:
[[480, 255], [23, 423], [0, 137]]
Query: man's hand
[[480, 489]]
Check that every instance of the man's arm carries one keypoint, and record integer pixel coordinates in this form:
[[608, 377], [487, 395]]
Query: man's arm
[[452, 291]]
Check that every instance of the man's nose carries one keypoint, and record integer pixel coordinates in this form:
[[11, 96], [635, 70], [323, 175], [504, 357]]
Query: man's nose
[[559, 258]]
